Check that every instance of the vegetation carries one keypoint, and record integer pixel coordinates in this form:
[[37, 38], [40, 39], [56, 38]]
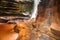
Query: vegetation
[[12, 6]]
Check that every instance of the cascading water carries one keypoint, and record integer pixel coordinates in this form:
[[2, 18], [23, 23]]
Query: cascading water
[[34, 13]]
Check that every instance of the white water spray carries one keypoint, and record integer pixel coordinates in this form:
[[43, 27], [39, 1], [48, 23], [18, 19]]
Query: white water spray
[[34, 13]]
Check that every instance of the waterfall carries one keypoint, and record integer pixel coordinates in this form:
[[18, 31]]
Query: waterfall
[[35, 7]]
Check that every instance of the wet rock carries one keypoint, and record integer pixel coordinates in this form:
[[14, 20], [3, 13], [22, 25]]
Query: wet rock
[[3, 20], [45, 37]]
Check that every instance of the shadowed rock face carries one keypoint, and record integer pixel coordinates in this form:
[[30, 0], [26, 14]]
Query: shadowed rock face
[[55, 16], [44, 10], [3, 20], [49, 7], [56, 12], [44, 3]]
